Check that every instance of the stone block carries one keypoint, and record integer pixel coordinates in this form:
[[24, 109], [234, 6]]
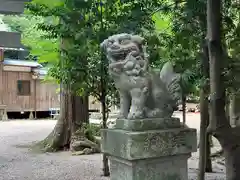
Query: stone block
[[147, 124], [148, 144], [167, 168], [149, 149]]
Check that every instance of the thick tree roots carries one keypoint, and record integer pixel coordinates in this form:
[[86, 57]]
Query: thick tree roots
[[83, 144], [77, 147], [84, 147], [79, 143]]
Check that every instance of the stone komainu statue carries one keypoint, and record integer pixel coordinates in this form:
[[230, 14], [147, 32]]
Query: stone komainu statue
[[143, 93]]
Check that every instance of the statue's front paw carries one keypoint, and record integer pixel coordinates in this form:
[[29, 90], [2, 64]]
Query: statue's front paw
[[121, 116], [154, 113], [136, 115]]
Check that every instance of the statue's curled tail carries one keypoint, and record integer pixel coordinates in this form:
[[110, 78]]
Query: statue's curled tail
[[172, 82]]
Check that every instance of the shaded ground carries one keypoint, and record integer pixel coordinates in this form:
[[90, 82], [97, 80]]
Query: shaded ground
[[19, 164]]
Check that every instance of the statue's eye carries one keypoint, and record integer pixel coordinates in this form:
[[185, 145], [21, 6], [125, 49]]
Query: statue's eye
[[123, 41], [110, 42]]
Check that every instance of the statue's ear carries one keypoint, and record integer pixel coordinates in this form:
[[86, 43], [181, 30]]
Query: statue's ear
[[138, 39]]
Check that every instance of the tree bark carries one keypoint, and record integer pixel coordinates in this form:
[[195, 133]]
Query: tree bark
[[202, 140], [234, 114], [232, 158], [80, 111], [73, 112], [106, 171], [209, 144], [219, 125], [184, 109], [217, 97], [59, 138], [205, 163]]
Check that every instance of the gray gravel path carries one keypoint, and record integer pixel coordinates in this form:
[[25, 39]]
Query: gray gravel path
[[19, 164]]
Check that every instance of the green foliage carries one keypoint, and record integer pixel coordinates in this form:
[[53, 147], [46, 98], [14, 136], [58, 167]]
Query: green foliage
[[82, 26], [232, 45], [180, 34], [91, 130], [45, 49], [174, 32], [182, 41]]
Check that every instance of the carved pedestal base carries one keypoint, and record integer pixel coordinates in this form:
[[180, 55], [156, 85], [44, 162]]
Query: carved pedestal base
[[149, 149], [168, 168]]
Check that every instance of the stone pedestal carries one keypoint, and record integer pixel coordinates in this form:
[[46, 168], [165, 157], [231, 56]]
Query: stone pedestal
[[149, 149]]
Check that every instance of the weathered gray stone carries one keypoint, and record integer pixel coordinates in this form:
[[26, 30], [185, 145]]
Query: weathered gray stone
[[149, 124], [143, 92], [148, 144], [234, 112], [149, 149], [168, 168]]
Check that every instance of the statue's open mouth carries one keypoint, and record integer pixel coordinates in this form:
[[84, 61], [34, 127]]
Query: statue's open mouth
[[121, 54]]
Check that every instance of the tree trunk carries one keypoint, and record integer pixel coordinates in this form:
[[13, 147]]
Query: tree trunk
[[229, 140], [104, 86], [203, 133], [72, 112], [184, 109], [219, 124], [234, 114], [209, 144], [205, 164], [106, 171], [82, 139], [202, 140], [232, 160], [59, 138], [80, 111]]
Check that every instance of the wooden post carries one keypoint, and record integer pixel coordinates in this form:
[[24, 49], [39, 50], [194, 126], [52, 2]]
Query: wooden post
[[3, 110], [31, 116], [35, 77], [1, 55], [5, 116], [35, 98], [1, 75]]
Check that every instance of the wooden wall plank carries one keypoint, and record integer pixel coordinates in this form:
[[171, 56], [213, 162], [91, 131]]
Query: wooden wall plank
[[46, 93], [1, 83]]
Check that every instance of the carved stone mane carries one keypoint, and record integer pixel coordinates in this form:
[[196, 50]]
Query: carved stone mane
[[125, 54]]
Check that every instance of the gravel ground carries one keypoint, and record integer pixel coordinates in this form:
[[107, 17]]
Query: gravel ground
[[19, 164]]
